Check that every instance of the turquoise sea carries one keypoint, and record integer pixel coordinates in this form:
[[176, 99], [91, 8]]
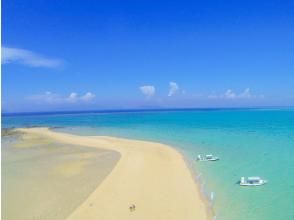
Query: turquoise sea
[[250, 142]]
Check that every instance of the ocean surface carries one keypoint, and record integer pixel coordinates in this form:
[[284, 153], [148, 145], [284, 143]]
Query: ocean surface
[[250, 142]]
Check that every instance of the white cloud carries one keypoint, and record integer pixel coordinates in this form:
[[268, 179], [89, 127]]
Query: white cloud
[[47, 97], [148, 91], [28, 58], [73, 97], [173, 88], [245, 94], [230, 94], [88, 97], [53, 98]]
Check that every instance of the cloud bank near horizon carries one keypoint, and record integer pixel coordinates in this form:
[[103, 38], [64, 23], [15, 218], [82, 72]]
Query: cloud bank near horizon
[[53, 98], [230, 94]]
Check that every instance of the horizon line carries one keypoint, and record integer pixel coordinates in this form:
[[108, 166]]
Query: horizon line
[[131, 110]]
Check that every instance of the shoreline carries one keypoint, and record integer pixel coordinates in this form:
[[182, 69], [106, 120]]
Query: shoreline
[[161, 181], [211, 214]]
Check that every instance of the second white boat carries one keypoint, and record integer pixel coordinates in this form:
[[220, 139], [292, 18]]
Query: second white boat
[[252, 181]]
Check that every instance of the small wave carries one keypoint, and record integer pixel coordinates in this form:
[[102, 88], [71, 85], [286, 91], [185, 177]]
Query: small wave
[[208, 196]]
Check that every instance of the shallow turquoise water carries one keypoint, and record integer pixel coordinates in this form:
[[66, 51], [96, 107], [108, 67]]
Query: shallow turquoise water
[[256, 142]]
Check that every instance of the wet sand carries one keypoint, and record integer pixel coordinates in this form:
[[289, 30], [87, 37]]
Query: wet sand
[[46, 179]]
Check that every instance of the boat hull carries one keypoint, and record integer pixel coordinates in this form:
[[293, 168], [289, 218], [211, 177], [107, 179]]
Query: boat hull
[[213, 159], [253, 184]]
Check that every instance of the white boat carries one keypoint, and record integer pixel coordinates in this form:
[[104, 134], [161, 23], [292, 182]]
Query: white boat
[[208, 157], [252, 181]]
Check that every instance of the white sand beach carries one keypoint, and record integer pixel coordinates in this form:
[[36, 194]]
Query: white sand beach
[[152, 176]]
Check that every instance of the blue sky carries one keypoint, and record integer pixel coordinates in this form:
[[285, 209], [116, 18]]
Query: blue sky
[[79, 55]]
